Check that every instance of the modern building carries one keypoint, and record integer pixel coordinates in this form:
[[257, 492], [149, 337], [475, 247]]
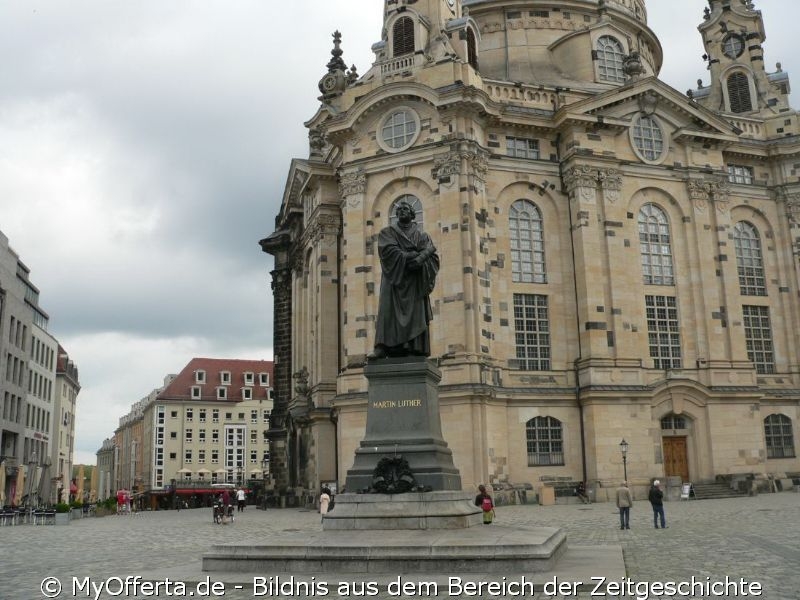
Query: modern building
[[65, 408], [619, 259], [29, 388], [206, 425]]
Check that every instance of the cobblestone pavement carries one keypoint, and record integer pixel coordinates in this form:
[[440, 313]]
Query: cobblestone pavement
[[751, 538]]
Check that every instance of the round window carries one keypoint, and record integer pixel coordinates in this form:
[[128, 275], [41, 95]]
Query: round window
[[399, 130], [733, 46], [648, 139]]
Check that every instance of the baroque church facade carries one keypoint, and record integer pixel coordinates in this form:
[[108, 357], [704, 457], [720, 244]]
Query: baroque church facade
[[619, 259]]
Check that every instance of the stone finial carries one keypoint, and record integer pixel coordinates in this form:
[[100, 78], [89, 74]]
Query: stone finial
[[699, 84], [632, 65], [352, 74], [336, 63]]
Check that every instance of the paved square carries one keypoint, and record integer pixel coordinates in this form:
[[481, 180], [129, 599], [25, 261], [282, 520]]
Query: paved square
[[757, 539]]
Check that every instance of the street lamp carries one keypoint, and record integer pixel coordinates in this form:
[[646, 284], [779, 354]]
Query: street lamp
[[239, 474], [623, 447]]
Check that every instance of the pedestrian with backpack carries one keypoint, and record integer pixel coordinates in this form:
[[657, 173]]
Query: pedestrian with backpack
[[484, 500]]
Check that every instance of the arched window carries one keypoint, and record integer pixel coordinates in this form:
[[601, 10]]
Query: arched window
[[749, 260], [415, 204], [654, 244], [779, 436], [739, 93], [403, 36], [673, 421], [527, 243], [472, 49], [609, 59], [545, 442]]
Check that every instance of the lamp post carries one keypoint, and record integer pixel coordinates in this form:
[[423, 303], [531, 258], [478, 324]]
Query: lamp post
[[239, 474], [623, 447]]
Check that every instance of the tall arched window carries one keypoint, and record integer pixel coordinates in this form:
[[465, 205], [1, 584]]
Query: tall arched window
[[527, 243], [415, 204], [749, 260], [472, 49], [655, 247], [403, 36], [609, 59], [739, 93], [779, 436], [545, 442]]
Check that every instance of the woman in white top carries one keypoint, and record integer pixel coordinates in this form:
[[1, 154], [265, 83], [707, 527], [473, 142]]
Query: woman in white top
[[324, 501]]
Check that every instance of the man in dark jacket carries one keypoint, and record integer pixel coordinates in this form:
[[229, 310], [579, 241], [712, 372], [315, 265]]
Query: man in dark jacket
[[656, 497]]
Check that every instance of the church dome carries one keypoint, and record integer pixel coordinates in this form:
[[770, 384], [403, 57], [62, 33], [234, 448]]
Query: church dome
[[577, 44]]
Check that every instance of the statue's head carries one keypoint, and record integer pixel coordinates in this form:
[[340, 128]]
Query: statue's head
[[404, 212]]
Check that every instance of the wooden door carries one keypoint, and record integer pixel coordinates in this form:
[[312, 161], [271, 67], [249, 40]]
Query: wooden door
[[676, 462]]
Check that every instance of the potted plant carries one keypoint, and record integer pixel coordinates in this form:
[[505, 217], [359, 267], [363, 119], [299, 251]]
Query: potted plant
[[62, 513], [77, 509]]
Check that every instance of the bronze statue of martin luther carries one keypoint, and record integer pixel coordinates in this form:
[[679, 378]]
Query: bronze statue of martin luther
[[409, 264]]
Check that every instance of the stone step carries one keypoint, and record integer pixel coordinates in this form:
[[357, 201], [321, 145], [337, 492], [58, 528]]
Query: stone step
[[708, 491], [402, 551]]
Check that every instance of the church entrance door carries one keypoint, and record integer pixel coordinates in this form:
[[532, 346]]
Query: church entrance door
[[676, 461]]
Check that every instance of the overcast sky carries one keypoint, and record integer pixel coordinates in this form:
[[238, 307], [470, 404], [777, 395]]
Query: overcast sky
[[144, 147]]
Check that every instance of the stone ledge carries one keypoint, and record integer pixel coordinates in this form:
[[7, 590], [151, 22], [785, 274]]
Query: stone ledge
[[453, 551]]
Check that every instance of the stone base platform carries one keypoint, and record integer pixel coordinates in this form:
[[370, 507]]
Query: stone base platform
[[428, 510], [507, 550]]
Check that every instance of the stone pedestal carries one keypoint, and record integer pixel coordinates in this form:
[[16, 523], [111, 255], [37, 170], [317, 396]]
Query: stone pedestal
[[423, 510], [403, 420]]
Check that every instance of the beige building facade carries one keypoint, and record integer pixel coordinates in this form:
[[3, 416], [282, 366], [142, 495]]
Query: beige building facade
[[618, 258], [207, 424]]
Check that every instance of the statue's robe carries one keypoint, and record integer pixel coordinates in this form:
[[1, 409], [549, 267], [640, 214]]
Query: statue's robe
[[404, 309]]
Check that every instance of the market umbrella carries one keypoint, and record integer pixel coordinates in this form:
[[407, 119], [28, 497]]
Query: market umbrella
[[94, 492], [44, 483], [18, 491], [79, 481]]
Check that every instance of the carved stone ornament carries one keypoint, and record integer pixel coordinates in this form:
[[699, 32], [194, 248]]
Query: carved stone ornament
[[793, 209], [316, 142], [611, 183], [352, 183], [720, 194], [298, 262], [581, 182], [648, 103], [699, 192], [446, 165], [632, 65]]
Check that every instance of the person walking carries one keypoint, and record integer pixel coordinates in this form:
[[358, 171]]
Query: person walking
[[484, 500], [656, 497], [240, 500], [324, 502], [580, 492], [624, 504]]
